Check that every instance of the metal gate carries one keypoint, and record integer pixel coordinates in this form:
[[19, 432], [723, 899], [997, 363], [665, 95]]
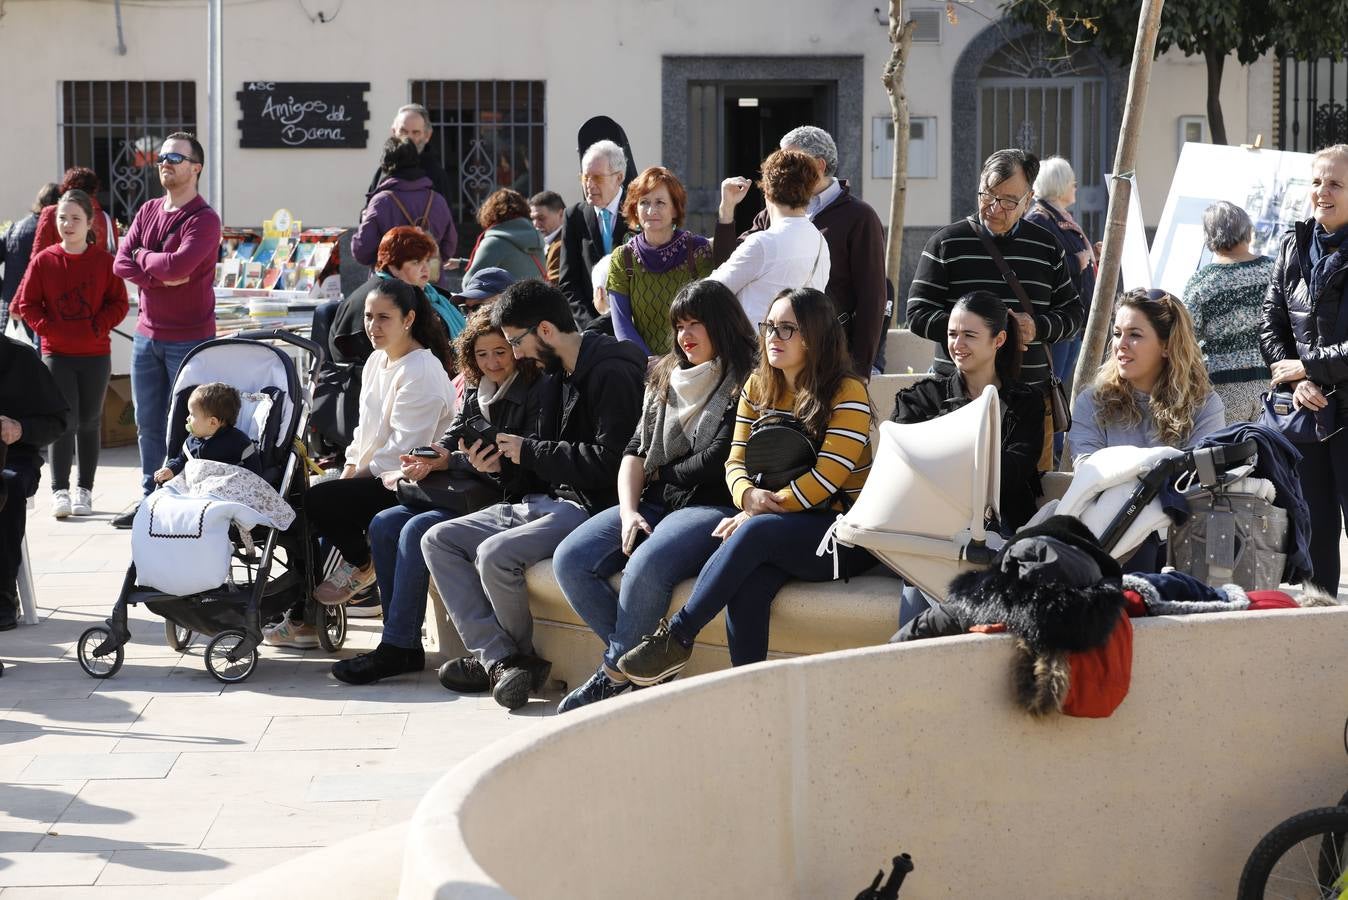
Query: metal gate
[[489, 135], [1032, 97], [1311, 108], [116, 128]]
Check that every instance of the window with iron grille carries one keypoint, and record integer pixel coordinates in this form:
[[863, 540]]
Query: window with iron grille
[[116, 129], [488, 135]]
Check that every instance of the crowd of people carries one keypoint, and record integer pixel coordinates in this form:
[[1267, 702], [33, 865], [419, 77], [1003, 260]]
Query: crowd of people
[[590, 391]]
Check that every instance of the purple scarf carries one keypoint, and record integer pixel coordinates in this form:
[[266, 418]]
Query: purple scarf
[[659, 260]]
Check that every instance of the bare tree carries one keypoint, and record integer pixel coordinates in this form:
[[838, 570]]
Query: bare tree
[[900, 42]]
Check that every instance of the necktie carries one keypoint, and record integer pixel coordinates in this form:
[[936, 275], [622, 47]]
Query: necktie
[[606, 221]]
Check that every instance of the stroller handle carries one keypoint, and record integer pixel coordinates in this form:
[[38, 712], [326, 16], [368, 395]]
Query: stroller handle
[[314, 350]]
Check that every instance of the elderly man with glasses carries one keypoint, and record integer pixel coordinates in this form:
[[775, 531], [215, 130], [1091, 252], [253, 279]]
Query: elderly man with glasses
[[592, 228], [957, 261], [170, 254]]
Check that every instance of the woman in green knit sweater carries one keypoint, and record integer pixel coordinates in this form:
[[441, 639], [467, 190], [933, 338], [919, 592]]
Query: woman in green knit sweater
[[645, 273], [1226, 298]]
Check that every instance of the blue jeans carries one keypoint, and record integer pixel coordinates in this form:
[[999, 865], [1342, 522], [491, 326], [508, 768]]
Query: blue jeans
[[154, 366], [749, 568], [679, 545], [400, 570]]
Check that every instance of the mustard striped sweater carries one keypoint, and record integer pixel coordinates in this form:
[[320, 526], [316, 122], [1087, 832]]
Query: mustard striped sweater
[[844, 458]]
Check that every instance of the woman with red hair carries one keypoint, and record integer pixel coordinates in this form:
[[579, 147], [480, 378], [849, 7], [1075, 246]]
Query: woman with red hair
[[645, 273], [105, 232]]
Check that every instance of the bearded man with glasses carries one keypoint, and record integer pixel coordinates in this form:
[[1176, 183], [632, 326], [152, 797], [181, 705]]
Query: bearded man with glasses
[[957, 261], [170, 254]]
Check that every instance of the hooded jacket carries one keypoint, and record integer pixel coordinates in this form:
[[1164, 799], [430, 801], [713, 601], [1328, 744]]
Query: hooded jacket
[[413, 189], [586, 420], [1297, 325], [514, 245], [1022, 435]]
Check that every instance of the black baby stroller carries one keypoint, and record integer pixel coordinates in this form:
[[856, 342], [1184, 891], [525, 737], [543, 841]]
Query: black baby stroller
[[265, 569]]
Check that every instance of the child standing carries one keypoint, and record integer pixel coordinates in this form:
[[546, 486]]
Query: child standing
[[212, 411], [72, 300]]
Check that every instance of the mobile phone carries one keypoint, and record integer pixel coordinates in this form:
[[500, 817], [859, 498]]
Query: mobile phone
[[479, 429], [425, 453]]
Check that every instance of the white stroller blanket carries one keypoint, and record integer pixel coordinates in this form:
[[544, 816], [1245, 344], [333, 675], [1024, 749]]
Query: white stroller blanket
[[180, 538]]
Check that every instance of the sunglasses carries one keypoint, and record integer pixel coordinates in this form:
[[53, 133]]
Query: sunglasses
[[1156, 295], [174, 159]]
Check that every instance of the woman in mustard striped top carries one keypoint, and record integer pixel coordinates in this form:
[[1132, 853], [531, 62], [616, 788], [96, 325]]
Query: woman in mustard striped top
[[804, 369]]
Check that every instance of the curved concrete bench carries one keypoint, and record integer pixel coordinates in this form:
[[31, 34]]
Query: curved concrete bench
[[800, 778]]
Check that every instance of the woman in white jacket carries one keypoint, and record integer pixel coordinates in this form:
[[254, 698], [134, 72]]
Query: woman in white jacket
[[406, 401]]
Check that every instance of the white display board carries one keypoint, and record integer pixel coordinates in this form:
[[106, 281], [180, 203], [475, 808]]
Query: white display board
[[1273, 186], [1135, 267]]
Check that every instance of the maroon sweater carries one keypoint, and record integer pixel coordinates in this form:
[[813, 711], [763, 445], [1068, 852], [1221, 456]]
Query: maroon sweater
[[856, 278], [72, 301], [184, 243]]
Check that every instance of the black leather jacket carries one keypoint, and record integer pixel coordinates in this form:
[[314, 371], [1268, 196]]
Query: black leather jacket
[[1294, 321]]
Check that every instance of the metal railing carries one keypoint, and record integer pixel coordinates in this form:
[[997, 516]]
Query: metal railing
[[1313, 104]]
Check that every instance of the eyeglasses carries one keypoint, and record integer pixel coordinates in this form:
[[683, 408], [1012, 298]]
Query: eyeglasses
[[987, 198], [516, 341], [174, 159], [586, 178], [784, 331]]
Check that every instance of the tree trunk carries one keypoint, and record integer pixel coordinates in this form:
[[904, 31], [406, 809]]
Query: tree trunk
[[900, 40], [1102, 304], [1216, 60]]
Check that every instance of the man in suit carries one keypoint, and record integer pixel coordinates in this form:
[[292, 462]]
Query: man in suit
[[593, 227], [547, 210], [413, 122]]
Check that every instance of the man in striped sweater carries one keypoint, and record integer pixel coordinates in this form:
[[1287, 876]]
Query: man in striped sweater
[[955, 262]]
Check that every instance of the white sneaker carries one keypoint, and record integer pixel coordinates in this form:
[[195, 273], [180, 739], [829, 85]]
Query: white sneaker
[[60, 504], [83, 503]]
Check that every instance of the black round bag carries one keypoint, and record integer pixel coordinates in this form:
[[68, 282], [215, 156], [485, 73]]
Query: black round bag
[[779, 451]]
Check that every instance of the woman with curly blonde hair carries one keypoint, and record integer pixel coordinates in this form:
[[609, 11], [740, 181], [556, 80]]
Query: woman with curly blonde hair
[[1154, 389]]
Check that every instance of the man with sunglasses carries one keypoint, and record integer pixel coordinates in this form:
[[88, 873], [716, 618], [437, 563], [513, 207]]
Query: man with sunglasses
[[957, 261], [170, 254]]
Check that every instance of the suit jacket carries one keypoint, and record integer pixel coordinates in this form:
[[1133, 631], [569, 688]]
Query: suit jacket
[[582, 247], [554, 260]]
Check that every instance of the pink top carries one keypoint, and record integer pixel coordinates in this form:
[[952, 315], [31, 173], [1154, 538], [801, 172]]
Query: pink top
[[184, 243]]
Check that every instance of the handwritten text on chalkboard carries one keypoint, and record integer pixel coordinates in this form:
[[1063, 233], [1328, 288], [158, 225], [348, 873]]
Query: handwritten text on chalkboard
[[303, 114]]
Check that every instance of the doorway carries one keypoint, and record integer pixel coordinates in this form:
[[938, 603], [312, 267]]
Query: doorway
[[733, 125]]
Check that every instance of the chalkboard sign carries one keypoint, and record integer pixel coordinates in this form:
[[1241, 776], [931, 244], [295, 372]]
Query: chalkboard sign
[[304, 114]]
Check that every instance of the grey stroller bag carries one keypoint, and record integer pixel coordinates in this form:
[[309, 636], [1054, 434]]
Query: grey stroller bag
[[1234, 535]]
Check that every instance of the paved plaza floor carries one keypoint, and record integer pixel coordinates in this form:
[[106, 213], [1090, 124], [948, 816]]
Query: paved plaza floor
[[163, 783]]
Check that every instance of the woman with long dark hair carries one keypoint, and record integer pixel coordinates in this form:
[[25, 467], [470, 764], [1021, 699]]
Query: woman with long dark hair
[[406, 401], [672, 490], [72, 299], [805, 371]]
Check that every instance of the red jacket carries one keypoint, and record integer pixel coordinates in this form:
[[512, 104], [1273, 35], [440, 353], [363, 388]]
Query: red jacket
[[47, 235], [72, 301]]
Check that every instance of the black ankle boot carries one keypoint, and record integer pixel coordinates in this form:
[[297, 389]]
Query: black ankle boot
[[384, 661]]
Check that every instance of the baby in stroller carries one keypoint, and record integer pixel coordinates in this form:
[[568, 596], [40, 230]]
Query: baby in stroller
[[213, 410]]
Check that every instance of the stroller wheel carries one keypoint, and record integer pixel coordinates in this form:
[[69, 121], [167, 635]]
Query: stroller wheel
[[104, 666], [331, 627], [221, 661], [176, 636]]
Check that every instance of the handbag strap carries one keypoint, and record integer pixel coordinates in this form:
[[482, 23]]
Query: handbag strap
[[815, 268], [1010, 278]]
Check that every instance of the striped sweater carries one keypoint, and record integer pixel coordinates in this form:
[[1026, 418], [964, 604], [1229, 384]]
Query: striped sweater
[[954, 263], [844, 458]]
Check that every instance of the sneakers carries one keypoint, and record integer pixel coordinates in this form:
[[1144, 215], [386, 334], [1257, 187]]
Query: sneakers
[[464, 675], [344, 583], [383, 661], [367, 607], [60, 504], [127, 518], [598, 687], [286, 633], [657, 658], [82, 503]]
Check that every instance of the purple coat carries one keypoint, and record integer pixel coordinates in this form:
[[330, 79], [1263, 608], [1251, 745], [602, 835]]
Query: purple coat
[[382, 214]]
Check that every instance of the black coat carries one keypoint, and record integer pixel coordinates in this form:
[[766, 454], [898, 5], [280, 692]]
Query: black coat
[[586, 420], [1022, 435], [582, 247], [1295, 323], [30, 396], [514, 413], [697, 479], [16, 246]]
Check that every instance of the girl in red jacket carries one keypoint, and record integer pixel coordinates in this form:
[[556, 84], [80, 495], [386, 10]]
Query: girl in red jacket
[[72, 300]]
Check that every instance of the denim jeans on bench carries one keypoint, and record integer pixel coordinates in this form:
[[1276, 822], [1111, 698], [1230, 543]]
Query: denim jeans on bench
[[400, 570]]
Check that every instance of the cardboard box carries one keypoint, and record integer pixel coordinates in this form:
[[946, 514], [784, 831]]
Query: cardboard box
[[119, 415]]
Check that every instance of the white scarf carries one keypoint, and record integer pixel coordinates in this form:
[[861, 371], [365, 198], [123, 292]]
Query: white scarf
[[668, 429], [689, 391], [488, 392]]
